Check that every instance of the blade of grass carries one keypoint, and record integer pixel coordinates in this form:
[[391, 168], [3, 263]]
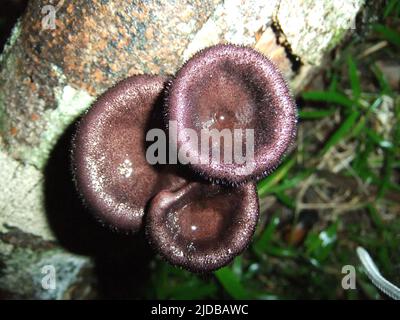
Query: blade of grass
[[286, 200], [232, 284], [378, 139], [329, 97], [290, 183], [359, 164], [360, 126], [377, 180], [388, 34], [318, 246], [334, 83], [162, 282], [282, 252], [341, 133], [390, 157], [263, 242], [275, 177], [354, 78], [376, 219], [237, 266], [391, 6], [315, 114], [383, 84]]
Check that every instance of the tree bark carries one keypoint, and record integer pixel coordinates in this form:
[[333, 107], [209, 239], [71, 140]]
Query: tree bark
[[50, 76]]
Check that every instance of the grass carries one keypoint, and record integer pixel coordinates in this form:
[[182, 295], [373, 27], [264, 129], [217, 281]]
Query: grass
[[338, 190]]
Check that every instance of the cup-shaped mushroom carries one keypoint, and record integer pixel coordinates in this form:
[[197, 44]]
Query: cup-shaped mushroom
[[109, 157], [202, 227], [237, 103]]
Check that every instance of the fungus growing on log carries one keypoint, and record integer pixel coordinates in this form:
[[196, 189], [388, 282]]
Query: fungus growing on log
[[233, 87], [195, 224]]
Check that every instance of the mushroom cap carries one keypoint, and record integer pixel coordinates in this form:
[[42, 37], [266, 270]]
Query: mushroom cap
[[233, 87], [202, 227], [109, 163]]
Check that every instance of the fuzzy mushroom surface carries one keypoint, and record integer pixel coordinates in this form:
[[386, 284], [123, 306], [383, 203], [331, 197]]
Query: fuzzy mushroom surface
[[202, 227], [197, 224], [109, 163], [233, 87]]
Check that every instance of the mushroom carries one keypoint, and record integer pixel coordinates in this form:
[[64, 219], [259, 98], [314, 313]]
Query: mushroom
[[109, 164], [233, 87], [193, 223], [202, 227]]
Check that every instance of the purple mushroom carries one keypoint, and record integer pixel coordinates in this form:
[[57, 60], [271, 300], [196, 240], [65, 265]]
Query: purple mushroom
[[109, 163], [233, 87], [202, 227], [192, 222]]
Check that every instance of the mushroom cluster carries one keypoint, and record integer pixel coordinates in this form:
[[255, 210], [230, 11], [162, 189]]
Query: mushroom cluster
[[201, 215]]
